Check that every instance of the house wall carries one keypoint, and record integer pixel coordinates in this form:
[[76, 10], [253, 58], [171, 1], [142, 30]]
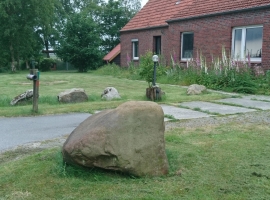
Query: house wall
[[117, 59], [145, 38], [210, 34]]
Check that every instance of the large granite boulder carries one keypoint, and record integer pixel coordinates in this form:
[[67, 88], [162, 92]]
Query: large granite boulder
[[26, 96], [195, 89], [110, 93], [74, 95], [129, 139]]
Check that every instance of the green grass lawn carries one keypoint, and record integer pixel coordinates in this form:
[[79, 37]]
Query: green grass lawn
[[228, 161], [52, 83]]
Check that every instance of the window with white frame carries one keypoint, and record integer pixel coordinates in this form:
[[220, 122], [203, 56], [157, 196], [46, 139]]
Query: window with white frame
[[187, 45], [247, 42], [135, 49]]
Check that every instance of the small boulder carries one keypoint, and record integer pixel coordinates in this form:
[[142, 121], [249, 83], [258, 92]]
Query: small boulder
[[110, 93], [27, 95], [74, 95], [196, 89], [128, 139]]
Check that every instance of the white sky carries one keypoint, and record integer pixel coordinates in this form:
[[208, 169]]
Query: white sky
[[144, 2]]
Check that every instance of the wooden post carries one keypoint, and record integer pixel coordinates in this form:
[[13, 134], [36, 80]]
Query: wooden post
[[35, 90], [153, 93]]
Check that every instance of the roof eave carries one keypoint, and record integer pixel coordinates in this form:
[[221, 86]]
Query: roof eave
[[113, 57], [145, 28], [219, 13]]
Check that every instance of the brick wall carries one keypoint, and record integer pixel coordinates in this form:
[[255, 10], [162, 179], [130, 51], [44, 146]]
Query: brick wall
[[210, 34], [146, 42]]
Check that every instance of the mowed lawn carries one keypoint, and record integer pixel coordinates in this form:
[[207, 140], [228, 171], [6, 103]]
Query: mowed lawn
[[228, 161], [52, 83], [215, 161]]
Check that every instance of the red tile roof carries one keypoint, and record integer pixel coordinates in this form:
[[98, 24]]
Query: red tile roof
[[206, 7], [113, 53], [156, 12]]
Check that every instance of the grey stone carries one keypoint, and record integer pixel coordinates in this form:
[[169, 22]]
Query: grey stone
[[129, 139], [195, 89], [110, 93], [74, 95], [22, 97]]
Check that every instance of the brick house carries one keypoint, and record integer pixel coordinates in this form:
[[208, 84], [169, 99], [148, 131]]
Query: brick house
[[184, 27]]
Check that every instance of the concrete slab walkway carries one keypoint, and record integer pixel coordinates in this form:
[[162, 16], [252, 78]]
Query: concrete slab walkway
[[182, 113], [262, 105], [257, 97], [215, 108]]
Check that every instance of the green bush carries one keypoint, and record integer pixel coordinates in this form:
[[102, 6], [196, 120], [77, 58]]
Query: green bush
[[267, 76], [220, 74], [46, 64], [147, 68], [23, 65], [3, 69], [245, 90]]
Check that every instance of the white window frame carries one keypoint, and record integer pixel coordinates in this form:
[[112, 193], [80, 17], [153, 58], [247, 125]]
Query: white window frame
[[134, 41], [243, 57], [182, 38]]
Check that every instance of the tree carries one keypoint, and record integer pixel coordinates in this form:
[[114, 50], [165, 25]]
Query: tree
[[46, 26], [4, 54], [80, 42], [131, 6], [114, 16], [19, 21]]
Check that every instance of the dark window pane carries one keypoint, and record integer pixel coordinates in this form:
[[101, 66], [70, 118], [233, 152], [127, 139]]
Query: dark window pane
[[254, 42], [135, 49], [187, 46], [157, 43]]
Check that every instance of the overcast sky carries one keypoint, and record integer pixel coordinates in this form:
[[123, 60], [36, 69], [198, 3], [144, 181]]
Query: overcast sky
[[144, 2]]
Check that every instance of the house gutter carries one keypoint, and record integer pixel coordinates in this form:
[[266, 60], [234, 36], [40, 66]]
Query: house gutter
[[145, 28], [220, 13]]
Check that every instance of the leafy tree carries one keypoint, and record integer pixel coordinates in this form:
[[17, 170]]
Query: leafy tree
[[80, 42], [19, 21], [4, 55], [131, 6], [115, 15], [47, 24]]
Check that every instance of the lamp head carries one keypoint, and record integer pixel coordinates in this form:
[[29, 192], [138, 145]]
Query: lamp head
[[155, 58]]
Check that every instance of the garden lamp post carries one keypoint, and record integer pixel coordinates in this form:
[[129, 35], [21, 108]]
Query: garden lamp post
[[155, 60]]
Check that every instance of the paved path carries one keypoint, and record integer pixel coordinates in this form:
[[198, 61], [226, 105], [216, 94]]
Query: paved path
[[225, 106], [23, 130]]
